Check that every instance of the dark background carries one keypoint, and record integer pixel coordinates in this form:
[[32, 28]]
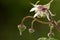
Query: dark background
[[11, 14]]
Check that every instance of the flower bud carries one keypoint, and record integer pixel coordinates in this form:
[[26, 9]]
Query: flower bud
[[21, 28], [31, 30], [42, 38], [50, 34]]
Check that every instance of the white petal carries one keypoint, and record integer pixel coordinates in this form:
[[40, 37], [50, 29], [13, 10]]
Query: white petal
[[48, 17], [33, 4], [33, 9], [48, 5], [41, 13], [36, 14], [51, 13]]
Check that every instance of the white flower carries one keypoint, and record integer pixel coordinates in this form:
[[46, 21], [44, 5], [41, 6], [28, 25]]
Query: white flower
[[42, 10]]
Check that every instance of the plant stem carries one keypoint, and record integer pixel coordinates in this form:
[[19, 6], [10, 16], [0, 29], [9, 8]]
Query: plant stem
[[35, 19], [32, 23]]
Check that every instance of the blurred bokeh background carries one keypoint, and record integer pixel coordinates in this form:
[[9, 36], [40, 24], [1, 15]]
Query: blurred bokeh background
[[11, 14]]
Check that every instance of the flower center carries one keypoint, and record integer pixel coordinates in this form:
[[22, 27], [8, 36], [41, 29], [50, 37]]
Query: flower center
[[41, 8], [44, 9]]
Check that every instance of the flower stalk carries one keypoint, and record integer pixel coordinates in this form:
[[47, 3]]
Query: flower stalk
[[35, 19], [40, 11]]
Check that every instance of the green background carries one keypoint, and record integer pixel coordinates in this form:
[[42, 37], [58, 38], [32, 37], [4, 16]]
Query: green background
[[11, 14]]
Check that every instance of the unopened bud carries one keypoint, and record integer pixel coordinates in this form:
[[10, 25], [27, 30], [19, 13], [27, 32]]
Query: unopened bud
[[42, 38], [31, 30], [50, 34], [45, 38], [21, 28]]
